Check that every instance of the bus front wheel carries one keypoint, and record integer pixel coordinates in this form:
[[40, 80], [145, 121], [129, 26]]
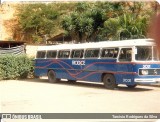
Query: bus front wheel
[[109, 81], [52, 76]]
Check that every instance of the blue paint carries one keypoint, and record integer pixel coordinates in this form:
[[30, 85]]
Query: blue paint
[[93, 69], [131, 62]]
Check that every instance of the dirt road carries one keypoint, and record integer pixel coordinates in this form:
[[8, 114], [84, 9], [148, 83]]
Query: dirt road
[[37, 95]]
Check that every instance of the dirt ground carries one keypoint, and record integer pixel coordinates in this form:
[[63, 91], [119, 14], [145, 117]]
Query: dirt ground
[[39, 96]]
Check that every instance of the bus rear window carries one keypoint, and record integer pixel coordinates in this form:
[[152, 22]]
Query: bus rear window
[[51, 54], [41, 54]]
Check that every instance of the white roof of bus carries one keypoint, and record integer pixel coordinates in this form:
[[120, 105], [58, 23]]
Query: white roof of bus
[[102, 44]]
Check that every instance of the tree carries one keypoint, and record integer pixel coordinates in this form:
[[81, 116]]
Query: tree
[[84, 21], [37, 20], [83, 24], [126, 26], [133, 23]]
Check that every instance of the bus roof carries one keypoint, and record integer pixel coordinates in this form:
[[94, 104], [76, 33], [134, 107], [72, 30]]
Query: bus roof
[[102, 44]]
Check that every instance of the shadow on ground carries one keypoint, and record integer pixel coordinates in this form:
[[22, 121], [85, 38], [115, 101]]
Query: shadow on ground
[[93, 85]]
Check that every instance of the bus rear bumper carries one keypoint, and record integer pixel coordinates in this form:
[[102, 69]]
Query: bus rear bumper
[[148, 81]]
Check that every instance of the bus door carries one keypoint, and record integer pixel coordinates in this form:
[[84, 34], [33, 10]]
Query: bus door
[[124, 66]]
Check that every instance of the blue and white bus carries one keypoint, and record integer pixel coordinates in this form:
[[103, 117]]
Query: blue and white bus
[[129, 62]]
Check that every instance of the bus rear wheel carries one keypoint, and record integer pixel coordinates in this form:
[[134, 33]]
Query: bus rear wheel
[[52, 76], [109, 81]]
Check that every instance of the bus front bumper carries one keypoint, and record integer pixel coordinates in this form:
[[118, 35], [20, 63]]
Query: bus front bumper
[[155, 81]]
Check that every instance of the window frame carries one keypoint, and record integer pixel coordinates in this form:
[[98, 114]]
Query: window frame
[[122, 60], [82, 53], [114, 49], [92, 49], [58, 56], [41, 51], [51, 51]]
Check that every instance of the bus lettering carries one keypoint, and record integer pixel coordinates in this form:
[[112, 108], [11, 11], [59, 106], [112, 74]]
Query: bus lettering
[[146, 66], [78, 62]]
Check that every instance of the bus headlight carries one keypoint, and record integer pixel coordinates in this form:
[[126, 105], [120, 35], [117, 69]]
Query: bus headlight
[[144, 72]]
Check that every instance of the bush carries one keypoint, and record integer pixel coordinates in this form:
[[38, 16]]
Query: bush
[[15, 67]]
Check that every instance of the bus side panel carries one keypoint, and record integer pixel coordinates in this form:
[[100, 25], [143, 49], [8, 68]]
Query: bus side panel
[[125, 74], [87, 70], [89, 76], [40, 67], [74, 70], [64, 69], [93, 69]]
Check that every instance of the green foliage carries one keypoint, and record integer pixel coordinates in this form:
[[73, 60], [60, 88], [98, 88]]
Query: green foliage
[[133, 23], [126, 26], [15, 66], [37, 19], [107, 20], [84, 22]]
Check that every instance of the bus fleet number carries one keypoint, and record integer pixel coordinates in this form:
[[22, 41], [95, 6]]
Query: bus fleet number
[[126, 80]]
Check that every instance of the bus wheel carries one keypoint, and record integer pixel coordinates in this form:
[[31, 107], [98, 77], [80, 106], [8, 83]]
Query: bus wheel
[[109, 81], [52, 76], [131, 86]]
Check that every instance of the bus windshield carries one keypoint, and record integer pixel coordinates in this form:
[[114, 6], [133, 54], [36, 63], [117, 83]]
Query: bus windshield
[[146, 53]]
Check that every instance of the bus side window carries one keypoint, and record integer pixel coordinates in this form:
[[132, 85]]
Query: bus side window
[[77, 54], [41, 54], [92, 53], [51, 54], [116, 53], [125, 54], [63, 54], [109, 53]]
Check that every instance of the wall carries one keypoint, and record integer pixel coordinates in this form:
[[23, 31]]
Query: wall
[[6, 13], [31, 50]]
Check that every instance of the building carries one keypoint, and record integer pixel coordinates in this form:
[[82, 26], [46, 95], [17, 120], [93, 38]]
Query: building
[[12, 47]]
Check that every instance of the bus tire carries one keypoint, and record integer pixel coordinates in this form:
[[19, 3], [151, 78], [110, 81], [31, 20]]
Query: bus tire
[[131, 86], [52, 76], [109, 81]]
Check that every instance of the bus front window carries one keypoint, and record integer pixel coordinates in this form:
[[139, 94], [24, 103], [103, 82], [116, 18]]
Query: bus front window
[[144, 53]]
